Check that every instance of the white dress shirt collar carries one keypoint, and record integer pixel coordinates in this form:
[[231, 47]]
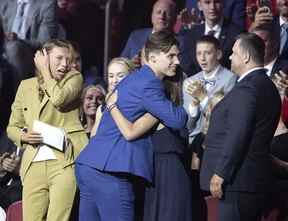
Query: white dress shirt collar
[[269, 67], [216, 28], [212, 74]]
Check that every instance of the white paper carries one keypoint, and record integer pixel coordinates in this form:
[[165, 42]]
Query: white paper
[[44, 153], [52, 136]]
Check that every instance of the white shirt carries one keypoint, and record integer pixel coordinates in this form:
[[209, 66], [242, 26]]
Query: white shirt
[[269, 67], [248, 72], [216, 28], [21, 34], [283, 34]]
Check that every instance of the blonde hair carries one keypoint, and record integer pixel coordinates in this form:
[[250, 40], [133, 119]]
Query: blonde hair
[[125, 61], [83, 94], [213, 101]]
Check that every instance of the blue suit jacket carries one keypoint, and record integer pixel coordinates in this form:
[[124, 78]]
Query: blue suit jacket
[[238, 140], [108, 150], [136, 41]]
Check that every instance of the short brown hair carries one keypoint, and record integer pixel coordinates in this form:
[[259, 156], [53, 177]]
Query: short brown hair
[[161, 41]]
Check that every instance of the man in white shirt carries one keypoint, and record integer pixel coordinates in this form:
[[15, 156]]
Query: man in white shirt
[[212, 79]]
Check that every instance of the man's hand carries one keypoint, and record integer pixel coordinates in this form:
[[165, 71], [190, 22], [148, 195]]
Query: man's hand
[[196, 90], [189, 18], [281, 81], [216, 186], [11, 163], [31, 137], [263, 16]]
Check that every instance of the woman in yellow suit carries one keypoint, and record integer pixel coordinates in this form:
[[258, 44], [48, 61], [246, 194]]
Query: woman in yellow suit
[[51, 97]]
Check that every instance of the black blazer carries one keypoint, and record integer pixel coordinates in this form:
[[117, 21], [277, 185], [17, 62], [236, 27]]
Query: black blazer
[[227, 37], [238, 140]]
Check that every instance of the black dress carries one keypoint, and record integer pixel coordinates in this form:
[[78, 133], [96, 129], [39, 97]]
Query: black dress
[[169, 197]]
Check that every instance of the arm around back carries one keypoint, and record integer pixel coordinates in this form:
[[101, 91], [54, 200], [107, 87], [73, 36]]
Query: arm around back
[[157, 104]]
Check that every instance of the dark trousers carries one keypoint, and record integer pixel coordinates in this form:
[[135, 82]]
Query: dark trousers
[[242, 206], [104, 196], [10, 193]]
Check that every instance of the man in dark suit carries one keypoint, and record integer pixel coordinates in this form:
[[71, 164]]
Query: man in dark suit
[[215, 24], [236, 164], [109, 163], [234, 10]]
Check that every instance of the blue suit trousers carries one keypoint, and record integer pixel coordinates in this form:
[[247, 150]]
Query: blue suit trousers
[[104, 196]]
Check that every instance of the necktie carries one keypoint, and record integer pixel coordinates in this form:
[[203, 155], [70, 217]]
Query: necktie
[[209, 82], [18, 20], [211, 33], [284, 39]]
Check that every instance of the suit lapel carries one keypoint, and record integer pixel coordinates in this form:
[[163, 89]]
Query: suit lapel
[[31, 15], [223, 34], [43, 104]]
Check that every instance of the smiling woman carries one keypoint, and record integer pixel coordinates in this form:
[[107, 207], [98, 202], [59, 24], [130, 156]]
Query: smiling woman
[[92, 97]]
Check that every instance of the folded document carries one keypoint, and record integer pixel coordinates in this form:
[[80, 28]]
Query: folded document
[[52, 136]]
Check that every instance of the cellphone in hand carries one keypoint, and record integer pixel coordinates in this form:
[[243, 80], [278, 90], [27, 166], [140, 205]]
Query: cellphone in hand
[[265, 3]]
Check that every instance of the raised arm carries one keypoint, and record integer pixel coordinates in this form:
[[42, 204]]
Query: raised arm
[[130, 130]]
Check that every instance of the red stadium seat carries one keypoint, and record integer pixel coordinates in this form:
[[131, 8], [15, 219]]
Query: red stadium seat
[[14, 212], [212, 208]]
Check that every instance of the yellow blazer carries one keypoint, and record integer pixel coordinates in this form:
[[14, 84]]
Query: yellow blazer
[[59, 108]]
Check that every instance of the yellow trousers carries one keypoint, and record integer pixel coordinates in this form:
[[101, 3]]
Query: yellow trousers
[[48, 191]]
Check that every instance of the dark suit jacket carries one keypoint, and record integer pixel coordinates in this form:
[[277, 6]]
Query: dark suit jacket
[[138, 93], [280, 64], [234, 10], [238, 140], [188, 46]]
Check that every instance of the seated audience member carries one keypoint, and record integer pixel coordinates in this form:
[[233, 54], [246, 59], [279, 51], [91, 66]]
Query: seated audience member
[[52, 97], [216, 25], [273, 63], [118, 69], [200, 87], [163, 17], [10, 183], [92, 97]]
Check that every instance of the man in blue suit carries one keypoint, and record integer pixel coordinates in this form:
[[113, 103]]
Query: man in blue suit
[[236, 165], [163, 17], [106, 168]]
